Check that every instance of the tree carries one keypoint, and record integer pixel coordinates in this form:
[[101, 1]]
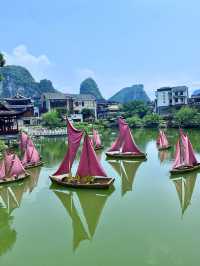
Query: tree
[[88, 113], [51, 119], [134, 121], [152, 120], [185, 117], [133, 108], [2, 60]]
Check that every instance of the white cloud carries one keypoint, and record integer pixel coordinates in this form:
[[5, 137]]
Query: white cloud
[[37, 65], [84, 73]]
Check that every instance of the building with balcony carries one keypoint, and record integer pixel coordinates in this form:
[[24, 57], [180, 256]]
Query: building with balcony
[[168, 97]]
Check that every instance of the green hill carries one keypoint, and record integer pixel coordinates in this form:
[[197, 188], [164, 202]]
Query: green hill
[[17, 79], [89, 86], [128, 94]]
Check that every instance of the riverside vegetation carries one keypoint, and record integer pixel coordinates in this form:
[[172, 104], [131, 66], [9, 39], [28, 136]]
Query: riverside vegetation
[[137, 113]]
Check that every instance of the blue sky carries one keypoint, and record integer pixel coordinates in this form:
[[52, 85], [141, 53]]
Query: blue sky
[[118, 42]]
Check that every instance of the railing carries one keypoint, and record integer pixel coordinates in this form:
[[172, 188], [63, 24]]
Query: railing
[[46, 132]]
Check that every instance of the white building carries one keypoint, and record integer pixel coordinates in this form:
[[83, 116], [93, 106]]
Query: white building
[[73, 103], [167, 97]]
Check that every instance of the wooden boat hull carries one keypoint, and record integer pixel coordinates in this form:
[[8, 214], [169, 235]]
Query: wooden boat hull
[[166, 148], [126, 155], [33, 165], [99, 148], [99, 183], [13, 179], [183, 170]]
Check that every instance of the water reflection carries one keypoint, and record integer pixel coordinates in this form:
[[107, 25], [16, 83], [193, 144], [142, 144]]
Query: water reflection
[[85, 209], [11, 196], [184, 185], [164, 155], [127, 171]]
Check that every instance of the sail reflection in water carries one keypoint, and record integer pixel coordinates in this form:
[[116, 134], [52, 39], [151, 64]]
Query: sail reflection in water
[[164, 155], [11, 196], [185, 186], [86, 218], [127, 171]]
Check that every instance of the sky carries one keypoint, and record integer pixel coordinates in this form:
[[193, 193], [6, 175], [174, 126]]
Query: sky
[[117, 42]]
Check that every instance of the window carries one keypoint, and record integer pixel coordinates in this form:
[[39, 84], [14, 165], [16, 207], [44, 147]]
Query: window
[[164, 97], [83, 103], [176, 100], [76, 103], [181, 92]]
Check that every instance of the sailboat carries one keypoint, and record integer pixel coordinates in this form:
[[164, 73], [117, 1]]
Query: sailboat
[[185, 186], [31, 157], [97, 140], [85, 210], [185, 160], [162, 141], [11, 169], [90, 173], [124, 146], [127, 171]]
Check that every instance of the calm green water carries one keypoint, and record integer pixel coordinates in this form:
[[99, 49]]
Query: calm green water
[[146, 219]]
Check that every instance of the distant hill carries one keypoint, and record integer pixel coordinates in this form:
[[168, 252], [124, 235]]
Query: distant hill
[[17, 79], [128, 94], [196, 93], [89, 86]]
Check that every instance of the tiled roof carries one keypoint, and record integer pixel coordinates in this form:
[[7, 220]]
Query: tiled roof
[[58, 96]]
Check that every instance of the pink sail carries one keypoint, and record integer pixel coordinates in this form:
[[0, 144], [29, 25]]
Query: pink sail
[[30, 142], [178, 158], [89, 164], [184, 152], [74, 139], [189, 156], [16, 167], [96, 138], [31, 156], [116, 146], [129, 143], [23, 141], [162, 140], [2, 169], [8, 158]]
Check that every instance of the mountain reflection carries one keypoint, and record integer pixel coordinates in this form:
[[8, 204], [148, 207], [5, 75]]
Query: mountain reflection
[[85, 209], [126, 169], [184, 185]]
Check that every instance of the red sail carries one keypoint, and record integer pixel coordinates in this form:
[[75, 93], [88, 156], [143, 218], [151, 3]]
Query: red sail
[[116, 146], [89, 165], [129, 143], [74, 139]]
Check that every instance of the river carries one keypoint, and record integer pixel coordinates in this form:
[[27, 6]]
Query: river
[[147, 218]]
